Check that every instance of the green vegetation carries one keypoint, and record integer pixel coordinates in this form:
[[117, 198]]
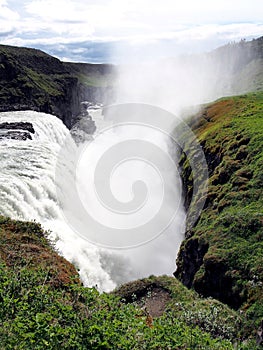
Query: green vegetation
[[156, 294], [43, 305], [96, 80], [226, 256], [92, 75], [46, 83], [31, 79]]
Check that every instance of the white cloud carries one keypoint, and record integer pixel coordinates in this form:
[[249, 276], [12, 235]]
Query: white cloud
[[145, 15], [46, 22], [54, 10], [6, 13]]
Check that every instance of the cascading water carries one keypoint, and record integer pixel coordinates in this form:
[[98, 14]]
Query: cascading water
[[28, 191], [27, 168], [30, 186]]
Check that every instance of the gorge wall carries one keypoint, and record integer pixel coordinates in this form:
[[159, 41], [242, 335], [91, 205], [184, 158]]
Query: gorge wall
[[31, 79], [221, 256]]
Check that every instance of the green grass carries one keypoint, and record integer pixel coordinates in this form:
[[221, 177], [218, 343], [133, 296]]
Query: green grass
[[37, 316], [44, 82], [95, 80], [43, 305], [232, 222]]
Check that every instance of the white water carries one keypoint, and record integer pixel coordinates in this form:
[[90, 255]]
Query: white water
[[28, 192]]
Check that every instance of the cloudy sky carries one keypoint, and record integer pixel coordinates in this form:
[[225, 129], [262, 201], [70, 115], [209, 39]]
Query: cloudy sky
[[114, 30]]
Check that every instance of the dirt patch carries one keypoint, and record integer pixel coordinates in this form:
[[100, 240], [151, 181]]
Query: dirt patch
[[155, 302], [151, 297]]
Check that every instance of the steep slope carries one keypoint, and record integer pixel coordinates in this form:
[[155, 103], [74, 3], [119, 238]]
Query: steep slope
[[240, 66], [24, 245], [222, 255], [249, 78], [44, 306], [95, 81], [32, 79]]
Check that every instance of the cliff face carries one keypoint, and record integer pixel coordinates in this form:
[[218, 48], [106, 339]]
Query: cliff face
[[32, 79], [222, 255], [238, 66]]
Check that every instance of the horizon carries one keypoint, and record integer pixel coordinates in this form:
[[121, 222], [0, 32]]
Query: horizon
[[115, 32], [182, 55]]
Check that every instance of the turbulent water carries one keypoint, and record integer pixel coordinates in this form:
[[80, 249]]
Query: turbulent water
[[29, 187]]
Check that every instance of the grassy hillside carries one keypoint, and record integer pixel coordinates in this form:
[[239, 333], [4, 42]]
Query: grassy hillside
[[249, 78], [43, 305], [241, 63], [32, 79], [222, 256], [96, 75], [216, 300]]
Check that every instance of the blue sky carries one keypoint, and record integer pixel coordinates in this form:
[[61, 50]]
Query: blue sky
[[117, 30]]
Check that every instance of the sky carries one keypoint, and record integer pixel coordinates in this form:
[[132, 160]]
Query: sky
[[116, 30]]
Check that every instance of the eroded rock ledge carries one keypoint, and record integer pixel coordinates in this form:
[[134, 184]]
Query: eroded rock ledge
[[16, 131]]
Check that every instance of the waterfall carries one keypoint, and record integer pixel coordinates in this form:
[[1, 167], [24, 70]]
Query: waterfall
[[37, 175]]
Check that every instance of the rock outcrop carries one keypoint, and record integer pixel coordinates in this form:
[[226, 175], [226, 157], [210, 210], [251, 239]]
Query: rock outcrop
[[221, 256], [83, 127], [16, 131], [33, 80]]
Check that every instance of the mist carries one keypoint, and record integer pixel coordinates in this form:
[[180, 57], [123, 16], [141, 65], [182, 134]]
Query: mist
[[126, 197], [179, 86], [183, 82], [115, 205]]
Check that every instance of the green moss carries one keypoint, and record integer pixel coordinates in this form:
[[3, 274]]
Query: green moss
[[232, 222], [95, 80], [44, 82], [184, 304], [37, 313]]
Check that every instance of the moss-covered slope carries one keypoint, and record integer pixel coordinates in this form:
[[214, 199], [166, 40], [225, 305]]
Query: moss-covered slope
[[222, 256], [25, 245], [32, 79], [44, 306]]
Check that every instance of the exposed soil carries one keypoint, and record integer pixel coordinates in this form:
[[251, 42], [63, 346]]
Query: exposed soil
[[152, 297], [155, 302]]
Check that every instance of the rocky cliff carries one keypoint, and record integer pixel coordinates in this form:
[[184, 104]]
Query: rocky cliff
[[32, 79], [243, 61], [222, 256]]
